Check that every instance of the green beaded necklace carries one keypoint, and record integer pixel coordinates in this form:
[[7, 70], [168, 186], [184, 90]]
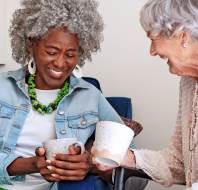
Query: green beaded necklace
[[37, 106]]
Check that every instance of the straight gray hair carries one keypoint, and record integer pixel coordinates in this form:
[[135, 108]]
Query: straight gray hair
[[165, 17]]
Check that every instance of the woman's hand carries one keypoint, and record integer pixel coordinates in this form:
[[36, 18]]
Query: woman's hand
[[35, 164], [129, 160], [42, 166], [97, 166], [72, 167]]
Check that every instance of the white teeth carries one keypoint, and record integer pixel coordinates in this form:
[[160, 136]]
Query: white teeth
[[56, 73]]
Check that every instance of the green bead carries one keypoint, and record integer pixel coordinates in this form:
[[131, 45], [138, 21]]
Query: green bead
[[37, 106]]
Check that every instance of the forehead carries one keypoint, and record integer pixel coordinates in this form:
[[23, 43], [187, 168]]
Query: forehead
[[60, 36]]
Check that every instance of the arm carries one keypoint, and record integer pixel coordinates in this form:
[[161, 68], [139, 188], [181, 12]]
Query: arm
[[22, 166], [165, 166], [5, 160], [13, 165], [35, 164]]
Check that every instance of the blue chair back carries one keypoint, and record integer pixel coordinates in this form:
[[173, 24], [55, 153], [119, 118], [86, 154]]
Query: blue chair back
[[122, 105], [93, 81]]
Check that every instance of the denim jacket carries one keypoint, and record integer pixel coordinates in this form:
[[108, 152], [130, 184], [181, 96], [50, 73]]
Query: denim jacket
[[76, 115]]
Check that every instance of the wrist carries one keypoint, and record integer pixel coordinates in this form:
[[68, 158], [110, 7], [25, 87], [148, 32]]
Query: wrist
[[33, 164], [129, 160]]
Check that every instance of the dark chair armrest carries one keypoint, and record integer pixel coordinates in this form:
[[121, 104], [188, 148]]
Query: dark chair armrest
[[134, 125], [122, 174]]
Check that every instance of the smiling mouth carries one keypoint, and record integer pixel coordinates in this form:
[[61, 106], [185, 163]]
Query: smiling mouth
[[56, 73]]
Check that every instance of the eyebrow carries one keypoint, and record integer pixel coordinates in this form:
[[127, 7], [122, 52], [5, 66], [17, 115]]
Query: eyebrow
[[54, 47]]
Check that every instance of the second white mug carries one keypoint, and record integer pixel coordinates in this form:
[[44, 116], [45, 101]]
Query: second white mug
[[112, 141]]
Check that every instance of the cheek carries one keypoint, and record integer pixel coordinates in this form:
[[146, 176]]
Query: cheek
[[72, 63], [41, 58]]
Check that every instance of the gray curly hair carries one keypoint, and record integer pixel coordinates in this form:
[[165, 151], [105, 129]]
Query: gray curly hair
[[168, 16], [36, 17]]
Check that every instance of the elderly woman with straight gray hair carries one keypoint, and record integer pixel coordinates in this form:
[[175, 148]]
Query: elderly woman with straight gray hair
[[172, 27]]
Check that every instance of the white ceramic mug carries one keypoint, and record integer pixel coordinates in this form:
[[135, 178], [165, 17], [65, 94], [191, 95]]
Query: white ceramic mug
[[112, 141], [56, 146]]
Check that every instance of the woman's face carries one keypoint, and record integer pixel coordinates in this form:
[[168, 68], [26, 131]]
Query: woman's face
[[173, 51], [55, 55]]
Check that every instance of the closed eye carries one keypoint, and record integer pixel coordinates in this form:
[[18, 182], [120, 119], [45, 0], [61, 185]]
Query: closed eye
[[71, 54], [51, 53]]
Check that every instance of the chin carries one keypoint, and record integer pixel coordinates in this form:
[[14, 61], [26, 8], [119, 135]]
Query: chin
[[173, 72], [178, 73], [55, 84]]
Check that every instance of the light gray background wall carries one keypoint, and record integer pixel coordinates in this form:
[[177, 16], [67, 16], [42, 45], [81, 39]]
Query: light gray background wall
[[125, 68]]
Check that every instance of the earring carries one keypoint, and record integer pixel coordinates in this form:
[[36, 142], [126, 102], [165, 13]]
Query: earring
[[31, 66], [77, 72], [185, 45]]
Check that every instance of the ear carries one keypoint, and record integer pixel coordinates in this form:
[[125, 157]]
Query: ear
[[184, 38]]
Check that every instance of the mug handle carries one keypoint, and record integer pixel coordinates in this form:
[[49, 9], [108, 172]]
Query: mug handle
[[81, 145]]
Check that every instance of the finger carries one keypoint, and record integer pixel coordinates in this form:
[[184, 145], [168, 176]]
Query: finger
[[74, 150], [50, 178], [63, 172], [71, 165], [46, 171], [40, 151], [72, 158], [93, 150], [93, 160], [103, 167]]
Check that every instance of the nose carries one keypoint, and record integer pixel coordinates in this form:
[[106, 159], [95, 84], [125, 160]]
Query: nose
[[60, 61], [153, 51]]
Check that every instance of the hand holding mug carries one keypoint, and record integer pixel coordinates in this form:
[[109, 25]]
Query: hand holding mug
[[67, 158], [72, 166], [129, 160], [41, 164]]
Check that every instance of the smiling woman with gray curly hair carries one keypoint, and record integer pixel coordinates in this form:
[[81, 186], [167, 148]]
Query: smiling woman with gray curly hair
[[38, 16], [46, 98]]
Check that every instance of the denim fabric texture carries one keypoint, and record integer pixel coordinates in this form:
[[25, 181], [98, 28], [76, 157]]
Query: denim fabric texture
[[76, 115]]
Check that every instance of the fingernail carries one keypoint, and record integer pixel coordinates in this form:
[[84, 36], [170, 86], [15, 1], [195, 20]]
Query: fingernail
[[48, 161], [54, 155], [54, 175], [50, 167]]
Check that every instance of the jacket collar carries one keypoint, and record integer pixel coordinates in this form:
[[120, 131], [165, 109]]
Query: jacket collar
[[19, 75], [78, 83]]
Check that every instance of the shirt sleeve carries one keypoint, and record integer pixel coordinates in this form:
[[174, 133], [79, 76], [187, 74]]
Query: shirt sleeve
[[107, 112], [5, 160], [165, 166]]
